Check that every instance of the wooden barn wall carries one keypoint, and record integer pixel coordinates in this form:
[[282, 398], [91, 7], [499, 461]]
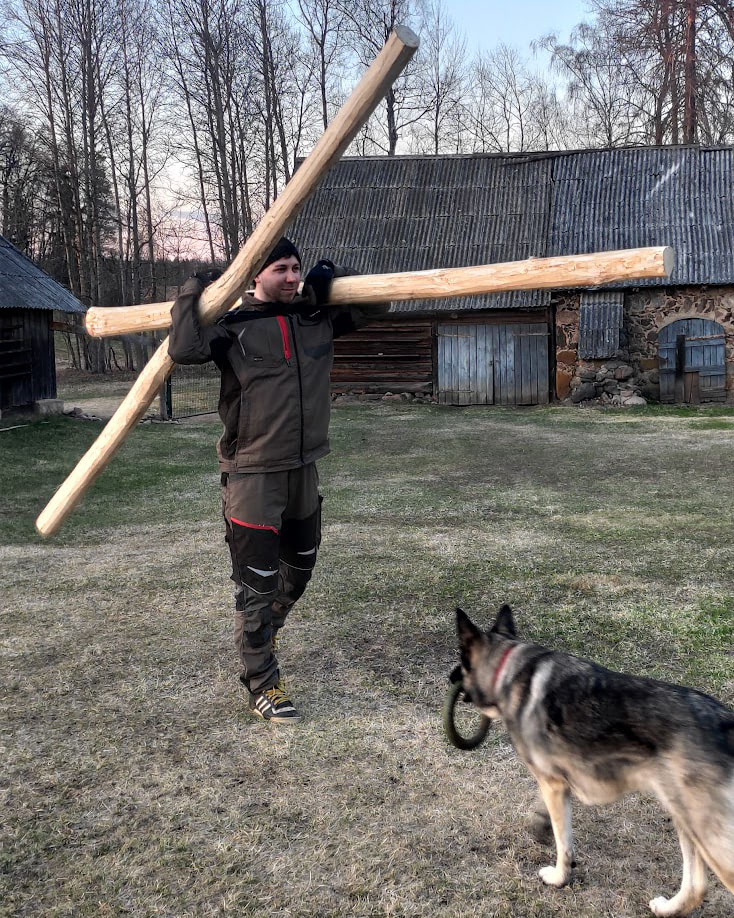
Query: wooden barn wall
[[25, 337], [394, 354], [398, 353], [44, 354]]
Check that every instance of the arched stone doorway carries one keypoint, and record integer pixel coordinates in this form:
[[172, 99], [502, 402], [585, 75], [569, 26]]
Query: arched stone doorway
[[692, 360]]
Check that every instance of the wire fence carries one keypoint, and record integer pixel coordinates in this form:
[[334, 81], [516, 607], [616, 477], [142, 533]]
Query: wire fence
[[193, 390]]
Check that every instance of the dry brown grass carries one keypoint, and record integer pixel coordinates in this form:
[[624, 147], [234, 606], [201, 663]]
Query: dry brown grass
[[133, 781]]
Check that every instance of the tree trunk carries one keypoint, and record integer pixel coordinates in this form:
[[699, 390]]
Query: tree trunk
[[689, 74], [195, 137]]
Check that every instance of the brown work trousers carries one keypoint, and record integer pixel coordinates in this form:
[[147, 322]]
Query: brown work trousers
[[273, 530]]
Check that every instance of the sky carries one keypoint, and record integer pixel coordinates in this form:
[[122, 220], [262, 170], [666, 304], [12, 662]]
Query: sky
[[488, 23]]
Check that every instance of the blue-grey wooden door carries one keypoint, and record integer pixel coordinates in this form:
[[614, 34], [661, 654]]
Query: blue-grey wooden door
[[692, 362], [497, 364]]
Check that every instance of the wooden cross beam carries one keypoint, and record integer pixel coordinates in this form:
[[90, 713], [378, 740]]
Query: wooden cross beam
[[559, 272], [222, 295]]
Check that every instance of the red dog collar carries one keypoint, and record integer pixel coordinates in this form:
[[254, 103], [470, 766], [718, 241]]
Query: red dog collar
[[503, 661]]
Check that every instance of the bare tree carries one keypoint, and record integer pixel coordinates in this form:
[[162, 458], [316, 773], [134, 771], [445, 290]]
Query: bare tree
[[22, 174], [368, 26], [599, 86], [674, 69], [512, 108], [444, 78], [208, 40], [323, 22]]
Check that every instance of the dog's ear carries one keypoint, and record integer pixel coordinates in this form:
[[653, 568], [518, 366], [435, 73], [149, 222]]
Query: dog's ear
[[505, 623], [467, 630]]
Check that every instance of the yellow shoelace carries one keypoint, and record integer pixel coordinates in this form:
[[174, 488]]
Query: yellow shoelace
[[276, 694]]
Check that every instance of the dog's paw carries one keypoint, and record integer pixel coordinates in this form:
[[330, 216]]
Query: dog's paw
[[664, 908], [553, 876]]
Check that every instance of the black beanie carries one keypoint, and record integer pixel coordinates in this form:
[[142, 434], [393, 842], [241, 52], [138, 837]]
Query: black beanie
[[284, 248]]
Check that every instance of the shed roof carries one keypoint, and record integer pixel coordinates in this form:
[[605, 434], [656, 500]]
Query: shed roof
[[405, 213], [24, 285]]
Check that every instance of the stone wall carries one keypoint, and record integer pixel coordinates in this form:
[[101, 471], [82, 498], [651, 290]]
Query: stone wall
[[567, 342], [632, 375]]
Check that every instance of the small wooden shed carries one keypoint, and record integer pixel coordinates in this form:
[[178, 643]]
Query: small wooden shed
[[28, 299], [403, 213]]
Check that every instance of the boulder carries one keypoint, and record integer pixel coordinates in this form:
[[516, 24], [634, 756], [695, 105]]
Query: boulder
[[583, 392]]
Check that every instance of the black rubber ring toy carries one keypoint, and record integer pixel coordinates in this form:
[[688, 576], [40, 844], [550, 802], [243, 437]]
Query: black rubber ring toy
[[454, 695]]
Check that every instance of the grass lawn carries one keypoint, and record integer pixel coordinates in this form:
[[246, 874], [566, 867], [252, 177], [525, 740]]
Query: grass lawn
[[135, 783], [73, 384]]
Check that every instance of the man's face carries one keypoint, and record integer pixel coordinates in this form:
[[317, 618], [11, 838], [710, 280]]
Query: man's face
[[278, 283]]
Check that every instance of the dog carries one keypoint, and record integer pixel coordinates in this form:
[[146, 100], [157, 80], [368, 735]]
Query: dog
[[585, 730]]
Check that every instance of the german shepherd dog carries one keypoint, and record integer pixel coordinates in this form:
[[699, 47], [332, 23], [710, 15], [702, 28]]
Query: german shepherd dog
[[583, 729]]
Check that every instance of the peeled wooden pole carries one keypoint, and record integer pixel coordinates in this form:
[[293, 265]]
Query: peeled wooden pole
[[560, 272], [222, 295]]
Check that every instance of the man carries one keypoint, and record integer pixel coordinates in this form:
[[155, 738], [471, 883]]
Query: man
[[275, 354]]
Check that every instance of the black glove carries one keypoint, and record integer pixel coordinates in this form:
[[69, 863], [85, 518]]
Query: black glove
[[208, 275], [317, 284]]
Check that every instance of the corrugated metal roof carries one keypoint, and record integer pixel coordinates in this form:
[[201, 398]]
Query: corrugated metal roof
[[406, 213], [23, 285], [677, 196], [383, 214], [600, 323]]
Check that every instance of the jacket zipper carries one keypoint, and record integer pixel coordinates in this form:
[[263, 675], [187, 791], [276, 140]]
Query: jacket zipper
[[298, 367]]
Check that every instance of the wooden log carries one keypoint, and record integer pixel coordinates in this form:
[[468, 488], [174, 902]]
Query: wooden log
[[222, 295], [559, 272]]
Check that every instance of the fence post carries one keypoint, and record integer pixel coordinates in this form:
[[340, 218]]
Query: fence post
[[166, 401]]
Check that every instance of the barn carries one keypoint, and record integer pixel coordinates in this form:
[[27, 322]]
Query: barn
[[670, 340], [28, 298]]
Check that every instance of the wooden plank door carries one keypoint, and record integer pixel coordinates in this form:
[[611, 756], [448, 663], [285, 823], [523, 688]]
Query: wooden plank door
[[465, 374], [531, 364], [497, 363], [691, 354]]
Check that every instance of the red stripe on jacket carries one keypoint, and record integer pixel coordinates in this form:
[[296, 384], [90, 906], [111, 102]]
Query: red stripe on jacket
[[284, 333]]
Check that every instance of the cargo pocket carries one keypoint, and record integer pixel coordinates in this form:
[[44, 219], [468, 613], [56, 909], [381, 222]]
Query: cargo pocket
[[261, 343]]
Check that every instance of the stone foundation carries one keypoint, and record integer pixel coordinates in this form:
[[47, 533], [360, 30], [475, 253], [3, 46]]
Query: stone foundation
[[612, 382]]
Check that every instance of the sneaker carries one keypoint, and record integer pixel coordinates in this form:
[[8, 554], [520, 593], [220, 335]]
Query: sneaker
[[273, 704]]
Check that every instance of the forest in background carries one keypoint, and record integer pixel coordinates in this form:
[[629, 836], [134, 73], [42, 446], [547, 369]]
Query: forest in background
[[140, 136]]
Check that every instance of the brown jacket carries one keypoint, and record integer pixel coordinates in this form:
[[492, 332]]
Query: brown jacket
[[275, 361]]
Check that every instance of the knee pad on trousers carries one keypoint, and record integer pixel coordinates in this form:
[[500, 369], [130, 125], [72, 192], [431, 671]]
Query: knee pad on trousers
[[255, 553], [300, 540]]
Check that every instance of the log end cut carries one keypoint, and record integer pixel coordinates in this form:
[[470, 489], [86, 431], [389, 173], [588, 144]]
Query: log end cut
[[668, 260], [407, 36]]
